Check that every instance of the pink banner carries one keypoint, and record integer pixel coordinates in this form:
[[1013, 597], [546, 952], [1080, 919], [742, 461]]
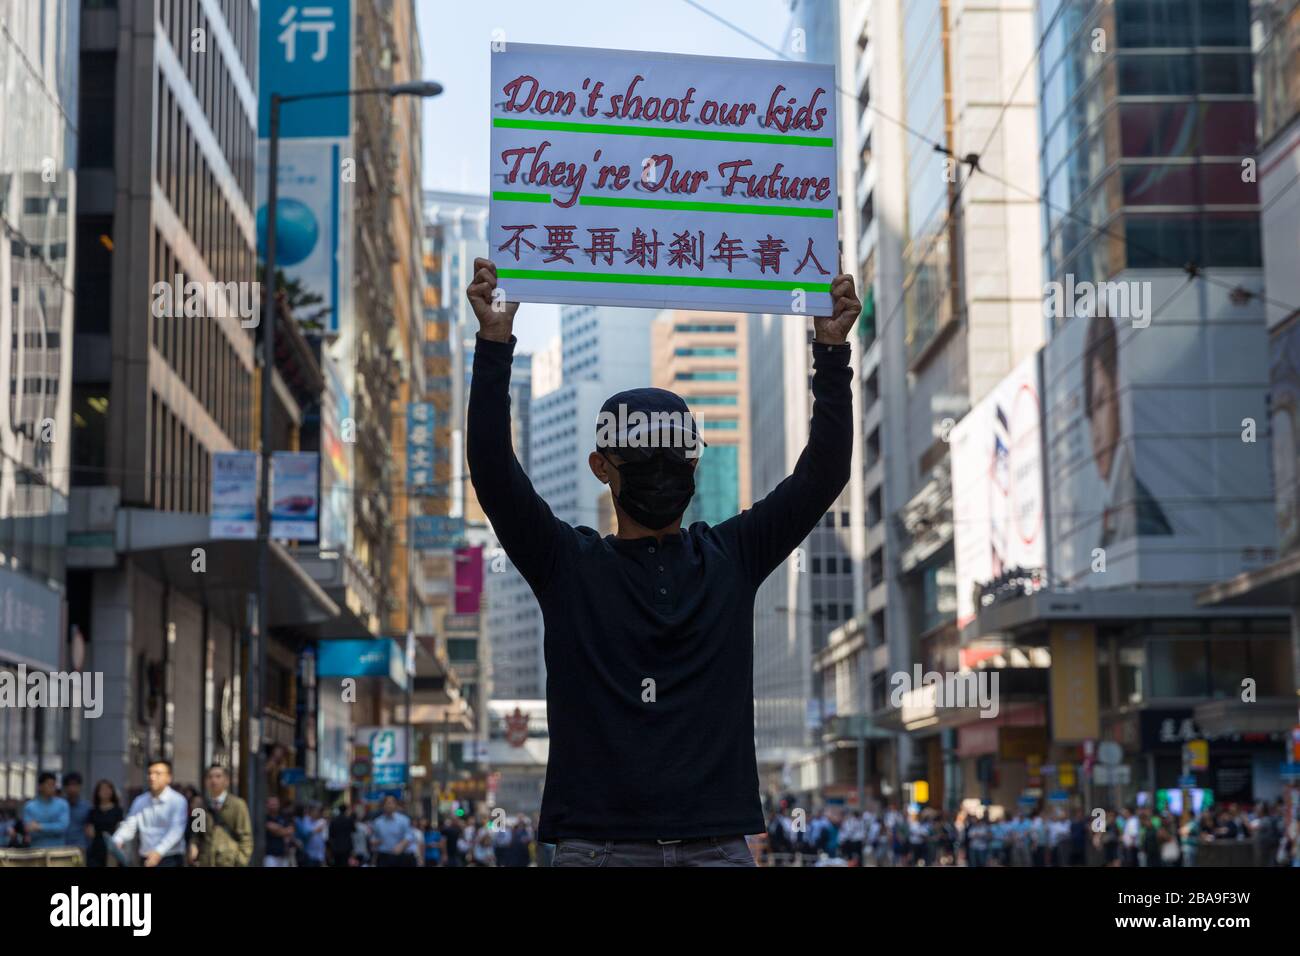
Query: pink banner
[[469, 579]]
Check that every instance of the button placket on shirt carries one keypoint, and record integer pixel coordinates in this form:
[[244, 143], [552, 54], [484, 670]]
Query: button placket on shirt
[[660, 589]]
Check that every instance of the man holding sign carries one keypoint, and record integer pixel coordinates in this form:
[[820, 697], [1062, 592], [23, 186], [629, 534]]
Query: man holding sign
[[657, 181], [650, 631]]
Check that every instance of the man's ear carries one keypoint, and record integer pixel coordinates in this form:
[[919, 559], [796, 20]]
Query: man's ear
[[600, 466]]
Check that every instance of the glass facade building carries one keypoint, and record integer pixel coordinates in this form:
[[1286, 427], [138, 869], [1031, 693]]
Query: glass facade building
[[927, 242], [38, 147], [1147, 109]]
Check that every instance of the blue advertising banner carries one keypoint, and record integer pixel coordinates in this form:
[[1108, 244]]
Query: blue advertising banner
[[307, 48], [419, 448], [431, 532], [377, 657]]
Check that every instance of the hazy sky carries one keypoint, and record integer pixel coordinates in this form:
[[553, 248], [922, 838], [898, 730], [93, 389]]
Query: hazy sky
[[456, 37]]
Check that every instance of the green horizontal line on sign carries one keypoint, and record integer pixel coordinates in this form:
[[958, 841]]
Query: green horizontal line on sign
[[627, 279], [749, 209], [618, 129], [521, 197]]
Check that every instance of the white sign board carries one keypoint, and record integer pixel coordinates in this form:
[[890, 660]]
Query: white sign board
[[997, 485], [234, 495], [1116, 776], [295, 495], [663, 181], [387, 754]]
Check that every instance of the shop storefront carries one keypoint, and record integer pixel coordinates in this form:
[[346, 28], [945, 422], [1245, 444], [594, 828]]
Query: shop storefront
[[31, 738], [367, 677]]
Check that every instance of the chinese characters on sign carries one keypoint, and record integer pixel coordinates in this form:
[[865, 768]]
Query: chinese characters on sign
[[658, 180], [419, 448], [435, 532], [317, 20]]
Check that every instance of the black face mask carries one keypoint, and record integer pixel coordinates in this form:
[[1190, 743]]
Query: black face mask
[[655, 493]]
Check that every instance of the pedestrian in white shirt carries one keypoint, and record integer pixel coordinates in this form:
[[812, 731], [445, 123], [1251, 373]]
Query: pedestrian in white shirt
[[157, 818], [1129, 837]]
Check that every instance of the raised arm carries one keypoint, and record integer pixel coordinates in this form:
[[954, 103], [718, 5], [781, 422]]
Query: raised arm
[[773, 527], [522, 521]]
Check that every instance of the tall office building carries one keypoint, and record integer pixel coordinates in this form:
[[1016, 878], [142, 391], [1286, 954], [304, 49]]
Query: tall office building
[[548, 367], [970, 305], [1276, 38], [39, 113], [1277, 60], [802, 608], [1147, 109], [406, 227], [1094, 533], [704, 358], [518, 671], [455, 235], [604, 344], [779, 406], [951, 293], [457, 224], [167, 188]]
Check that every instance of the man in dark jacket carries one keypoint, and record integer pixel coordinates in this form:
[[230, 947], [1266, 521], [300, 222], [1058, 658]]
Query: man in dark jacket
[[649, 632], [342, 827]]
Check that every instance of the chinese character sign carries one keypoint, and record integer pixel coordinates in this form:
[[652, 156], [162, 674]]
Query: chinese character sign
[[419, 447], [305, 47], [663, 181], [435, 532]]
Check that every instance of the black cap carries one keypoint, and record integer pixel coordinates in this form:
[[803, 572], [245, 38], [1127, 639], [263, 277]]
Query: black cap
[[640, 423]]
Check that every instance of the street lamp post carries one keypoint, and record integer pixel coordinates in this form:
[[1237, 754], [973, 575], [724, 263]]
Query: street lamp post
[[257, 689]]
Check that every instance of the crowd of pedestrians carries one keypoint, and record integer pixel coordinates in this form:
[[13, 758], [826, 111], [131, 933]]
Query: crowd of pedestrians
[[212, 827], [362, 835], [890, 836], [168, 826]]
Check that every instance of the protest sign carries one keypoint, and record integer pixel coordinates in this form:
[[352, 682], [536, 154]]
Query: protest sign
[[663, 181]]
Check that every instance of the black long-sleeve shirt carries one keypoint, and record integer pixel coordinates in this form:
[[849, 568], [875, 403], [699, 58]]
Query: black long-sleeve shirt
[[649, 644]]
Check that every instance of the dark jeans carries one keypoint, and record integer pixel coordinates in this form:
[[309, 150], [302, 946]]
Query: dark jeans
[[176, 859], [396, 859], [706, 851]]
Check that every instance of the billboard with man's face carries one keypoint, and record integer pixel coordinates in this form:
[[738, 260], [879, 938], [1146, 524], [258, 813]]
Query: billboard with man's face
[[1157, 448]]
